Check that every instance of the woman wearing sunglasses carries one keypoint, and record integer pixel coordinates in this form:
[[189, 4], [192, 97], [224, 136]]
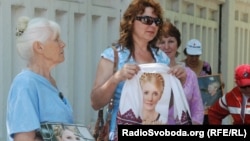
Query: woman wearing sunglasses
[[139, 30]]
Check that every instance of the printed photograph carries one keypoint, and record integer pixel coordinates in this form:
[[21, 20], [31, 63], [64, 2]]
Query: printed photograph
[[65, 132], [211, 89], [85, 133], [48, 131], [151, 97]]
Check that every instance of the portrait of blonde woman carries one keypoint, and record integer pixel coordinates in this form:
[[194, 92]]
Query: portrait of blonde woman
[[147, 97], [152, 85], [67, 133]]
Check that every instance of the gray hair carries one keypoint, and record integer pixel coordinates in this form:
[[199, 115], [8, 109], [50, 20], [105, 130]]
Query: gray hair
[[29, 31]]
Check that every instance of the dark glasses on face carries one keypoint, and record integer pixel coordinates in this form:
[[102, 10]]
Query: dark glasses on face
[[149, 20], [194, 55], [244, 87]]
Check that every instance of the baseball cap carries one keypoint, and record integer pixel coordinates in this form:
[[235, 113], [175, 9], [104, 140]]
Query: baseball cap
[[193, 47], [242, 75]]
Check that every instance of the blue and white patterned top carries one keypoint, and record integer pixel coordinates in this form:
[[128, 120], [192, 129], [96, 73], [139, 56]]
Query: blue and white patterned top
[[160, 57]]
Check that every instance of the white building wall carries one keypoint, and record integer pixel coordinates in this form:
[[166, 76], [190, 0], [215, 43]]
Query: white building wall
[[196, 19], [235, 38], [89, 26]]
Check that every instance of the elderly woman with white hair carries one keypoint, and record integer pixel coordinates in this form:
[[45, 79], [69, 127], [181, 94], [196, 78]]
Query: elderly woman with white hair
[[33, 96]]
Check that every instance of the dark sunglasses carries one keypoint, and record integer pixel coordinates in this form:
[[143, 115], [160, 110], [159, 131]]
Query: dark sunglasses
[[244, 87], [149, 20], [194, 55]]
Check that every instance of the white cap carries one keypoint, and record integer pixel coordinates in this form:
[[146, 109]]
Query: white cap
[[194, 47]]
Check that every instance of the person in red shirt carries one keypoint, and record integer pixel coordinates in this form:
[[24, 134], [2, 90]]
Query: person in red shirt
[[236, 102]]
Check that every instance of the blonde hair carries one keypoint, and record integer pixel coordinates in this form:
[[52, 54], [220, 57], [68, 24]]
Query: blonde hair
[[58, 130], [155, 78]]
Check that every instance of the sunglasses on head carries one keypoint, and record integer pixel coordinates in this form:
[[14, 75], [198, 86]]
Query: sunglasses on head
[[149, 20]]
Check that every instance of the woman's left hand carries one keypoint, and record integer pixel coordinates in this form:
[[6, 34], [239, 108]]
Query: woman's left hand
[[180, 72]]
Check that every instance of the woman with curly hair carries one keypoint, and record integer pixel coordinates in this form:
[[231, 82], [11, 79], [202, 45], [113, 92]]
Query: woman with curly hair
[[139, 30]]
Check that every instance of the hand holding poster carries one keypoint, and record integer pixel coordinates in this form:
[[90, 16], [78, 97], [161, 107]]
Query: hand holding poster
[[147, 97]]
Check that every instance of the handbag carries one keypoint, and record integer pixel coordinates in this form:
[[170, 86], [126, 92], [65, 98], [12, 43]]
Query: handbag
[[101, 131]]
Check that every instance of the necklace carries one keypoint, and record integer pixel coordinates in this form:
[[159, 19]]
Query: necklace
[[149, 121]]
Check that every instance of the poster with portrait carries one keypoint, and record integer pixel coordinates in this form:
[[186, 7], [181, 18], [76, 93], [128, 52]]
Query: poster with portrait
[[211, 89], [148, 96], [64, 132]]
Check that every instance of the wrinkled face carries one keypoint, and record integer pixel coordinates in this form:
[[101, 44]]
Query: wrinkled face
[[169, 46], [151, 95], [54, 50], [143, 31], [68, 135]]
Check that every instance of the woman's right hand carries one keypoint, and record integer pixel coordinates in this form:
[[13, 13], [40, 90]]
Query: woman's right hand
[[127, 72], [180, 72], [106, 82]]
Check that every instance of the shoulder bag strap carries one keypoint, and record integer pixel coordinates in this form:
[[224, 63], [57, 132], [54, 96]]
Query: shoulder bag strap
[[100, 121], [115, 59], [110, 106]]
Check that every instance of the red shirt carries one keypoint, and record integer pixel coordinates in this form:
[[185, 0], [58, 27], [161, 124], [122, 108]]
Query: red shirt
[[230, 104]]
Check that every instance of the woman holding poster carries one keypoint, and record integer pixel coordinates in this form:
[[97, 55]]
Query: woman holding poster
[[140, 28]]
